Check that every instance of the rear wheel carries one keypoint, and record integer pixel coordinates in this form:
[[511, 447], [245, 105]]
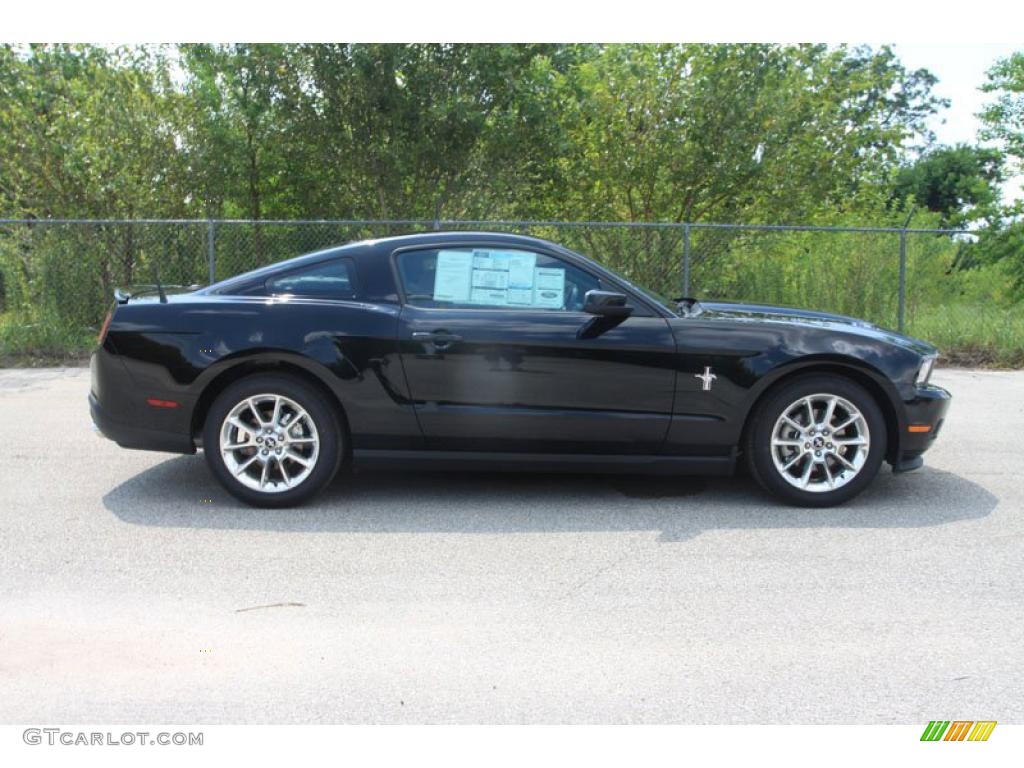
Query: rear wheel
[[272, 440], [817, 441]]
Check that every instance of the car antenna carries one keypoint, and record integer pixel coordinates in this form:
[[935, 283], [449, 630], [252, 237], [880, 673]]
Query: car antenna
[[159, 285]]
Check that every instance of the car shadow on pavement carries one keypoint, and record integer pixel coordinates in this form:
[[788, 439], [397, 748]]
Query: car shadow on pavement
[[181, 493]]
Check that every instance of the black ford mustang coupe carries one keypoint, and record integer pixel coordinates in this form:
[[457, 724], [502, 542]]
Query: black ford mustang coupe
[[459, 350]]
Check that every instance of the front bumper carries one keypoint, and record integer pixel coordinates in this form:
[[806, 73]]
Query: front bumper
[[922, 421]]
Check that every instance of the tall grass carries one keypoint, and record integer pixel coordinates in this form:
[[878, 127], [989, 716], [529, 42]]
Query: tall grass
[[28, 338], [973, 334]]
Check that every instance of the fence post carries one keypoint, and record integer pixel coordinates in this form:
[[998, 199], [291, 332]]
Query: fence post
[[211, 252], [903, 282], [902, 311], [686, 260]]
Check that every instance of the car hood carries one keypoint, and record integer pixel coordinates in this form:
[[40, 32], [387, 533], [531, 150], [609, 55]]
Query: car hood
[[762, 313]]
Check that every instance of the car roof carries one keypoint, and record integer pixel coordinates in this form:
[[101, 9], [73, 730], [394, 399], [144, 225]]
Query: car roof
[[457, 235], [383, 246]]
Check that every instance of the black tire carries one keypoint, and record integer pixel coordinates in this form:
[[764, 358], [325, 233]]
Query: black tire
[[320, 411], [759, 451]]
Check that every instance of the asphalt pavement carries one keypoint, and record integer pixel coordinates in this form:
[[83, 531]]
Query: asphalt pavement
[[134, 590]]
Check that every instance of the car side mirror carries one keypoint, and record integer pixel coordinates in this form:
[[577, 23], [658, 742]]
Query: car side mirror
[[606, 304]]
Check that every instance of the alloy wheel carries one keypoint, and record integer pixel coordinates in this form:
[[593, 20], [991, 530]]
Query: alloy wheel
[[820, 443], [269, 443]]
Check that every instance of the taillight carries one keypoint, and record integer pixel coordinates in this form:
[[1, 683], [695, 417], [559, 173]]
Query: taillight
[[157, 403], [104, 327]]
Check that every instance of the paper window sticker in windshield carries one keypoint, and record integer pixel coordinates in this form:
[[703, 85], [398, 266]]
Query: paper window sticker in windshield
[[490, 278], [549, 287], [453, 276], [489, 296], [491, 260], [520, 296], [520, 269]]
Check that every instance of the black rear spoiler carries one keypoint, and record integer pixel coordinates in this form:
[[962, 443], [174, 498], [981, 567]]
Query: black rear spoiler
[[123, 296]]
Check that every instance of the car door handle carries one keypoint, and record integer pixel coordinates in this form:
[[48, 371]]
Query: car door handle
[[440, 339]]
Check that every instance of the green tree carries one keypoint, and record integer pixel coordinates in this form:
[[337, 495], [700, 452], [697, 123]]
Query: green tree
[[729, 132], [84, 131], [1004, 122], [407, 131], [1004, 117], [233, 127], [960, 183]]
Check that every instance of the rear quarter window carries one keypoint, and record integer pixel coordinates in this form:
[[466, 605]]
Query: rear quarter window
[[327, 280]]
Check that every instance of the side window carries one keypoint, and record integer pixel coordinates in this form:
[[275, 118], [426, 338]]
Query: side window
[[327, 280], [491, 277]]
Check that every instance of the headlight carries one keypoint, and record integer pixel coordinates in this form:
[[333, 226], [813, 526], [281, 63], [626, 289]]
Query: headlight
[[925, 372]]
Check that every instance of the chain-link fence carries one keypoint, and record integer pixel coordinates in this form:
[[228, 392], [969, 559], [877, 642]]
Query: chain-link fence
[[58, 275]]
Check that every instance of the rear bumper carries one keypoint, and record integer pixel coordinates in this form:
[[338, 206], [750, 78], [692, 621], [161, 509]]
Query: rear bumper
[[128, 436], [923, 420], [116, 410]]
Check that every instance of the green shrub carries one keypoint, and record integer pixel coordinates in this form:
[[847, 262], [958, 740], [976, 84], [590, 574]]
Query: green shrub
[[29, 338]]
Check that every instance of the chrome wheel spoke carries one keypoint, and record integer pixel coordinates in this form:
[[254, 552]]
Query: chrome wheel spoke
[[830, 410], [793, 424], [850, 421], [792, 462], [845, 463], [851, 441], [298, 458], [284, 473], [805, 478], [256, 412], [828, 474], [787, 442], [238, 424], [244, 466]]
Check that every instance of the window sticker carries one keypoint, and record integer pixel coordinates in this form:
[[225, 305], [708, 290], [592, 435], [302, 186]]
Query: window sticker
[[453, 276], [520, 296], [490, 278], [520, 269], [549, 287], [502, 278], [493, 297], [490, 260], [496, 278]]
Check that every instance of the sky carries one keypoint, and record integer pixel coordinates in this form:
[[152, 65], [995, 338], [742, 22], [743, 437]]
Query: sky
[[961, 69]]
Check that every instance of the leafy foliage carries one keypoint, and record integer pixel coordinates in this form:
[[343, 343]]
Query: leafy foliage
[[1004, 118], [960, 183], [641, 133]]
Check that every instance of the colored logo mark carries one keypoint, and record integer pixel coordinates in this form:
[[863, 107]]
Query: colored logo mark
[[958, 730]]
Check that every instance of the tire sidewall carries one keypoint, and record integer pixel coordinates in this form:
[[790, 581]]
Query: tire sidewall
[[760, 435], [319, 409]]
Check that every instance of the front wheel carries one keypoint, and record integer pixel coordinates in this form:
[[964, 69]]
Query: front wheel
[[272, 440], [817, 441]]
